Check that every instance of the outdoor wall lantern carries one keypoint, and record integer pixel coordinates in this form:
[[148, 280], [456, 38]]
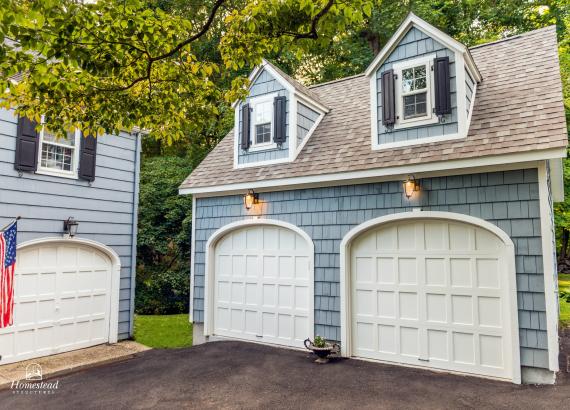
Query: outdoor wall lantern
[[250, 199], [410, 186], [70, 227]]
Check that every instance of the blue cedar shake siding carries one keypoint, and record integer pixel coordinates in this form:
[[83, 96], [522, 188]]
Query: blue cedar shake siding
[[306, 118], [104, 209], [264, 84], [506, 199], [416, 44], [469, 88]]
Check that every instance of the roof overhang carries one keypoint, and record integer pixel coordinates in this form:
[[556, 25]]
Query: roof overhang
[[414, 21], [265, 65], [519, 160]]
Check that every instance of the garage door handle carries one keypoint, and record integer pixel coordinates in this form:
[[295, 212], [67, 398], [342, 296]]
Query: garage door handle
[[423, 360]]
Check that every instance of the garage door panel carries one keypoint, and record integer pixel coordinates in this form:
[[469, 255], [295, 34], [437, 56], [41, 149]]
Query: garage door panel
[[432, 294], [269, 300], [62, 301]]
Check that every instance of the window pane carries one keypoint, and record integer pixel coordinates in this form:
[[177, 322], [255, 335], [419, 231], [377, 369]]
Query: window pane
[[263, 112], [414, 79], [57, 157], [420, 71], [408, 74], [262, 133], [50, 137], [415, 105], [420, 83], [421, 97]]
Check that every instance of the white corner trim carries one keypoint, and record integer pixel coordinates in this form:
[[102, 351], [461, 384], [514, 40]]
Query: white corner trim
[[292, 126], [519, 160], [115, 273], [210, 267], [192, 261], [460, 94], [557, 179], [509, 256], [550, 288], [374, 110]]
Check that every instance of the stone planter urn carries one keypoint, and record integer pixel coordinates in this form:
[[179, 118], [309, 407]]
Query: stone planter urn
[[322, 349]]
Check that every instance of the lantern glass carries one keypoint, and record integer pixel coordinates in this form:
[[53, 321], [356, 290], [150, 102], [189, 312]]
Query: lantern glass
[[409, 187], [250, 199], [70, 227]]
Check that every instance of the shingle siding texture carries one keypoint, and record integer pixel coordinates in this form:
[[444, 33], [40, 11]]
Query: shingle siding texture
[[264, 84], [104, 209], [469, 90], [506, 199], [306, 118], [417, 44], [518, 108]]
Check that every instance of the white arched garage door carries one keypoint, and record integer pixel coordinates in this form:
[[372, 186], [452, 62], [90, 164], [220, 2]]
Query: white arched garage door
[[262, 283], [63, 293], [437, 292]]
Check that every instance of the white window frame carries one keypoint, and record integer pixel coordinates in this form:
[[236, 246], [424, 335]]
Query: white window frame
[[254, 102], [430, 117], [73, 174]]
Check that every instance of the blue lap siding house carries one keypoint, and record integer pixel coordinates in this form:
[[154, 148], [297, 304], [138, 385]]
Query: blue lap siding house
[[409, 214], [72, 289]]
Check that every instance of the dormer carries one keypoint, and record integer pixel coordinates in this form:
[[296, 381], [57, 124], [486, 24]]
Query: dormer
[[276, 119], [422, 87]]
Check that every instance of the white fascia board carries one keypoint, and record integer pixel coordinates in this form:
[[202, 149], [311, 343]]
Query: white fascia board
[[557, 179], [434, 32], [440, 168]]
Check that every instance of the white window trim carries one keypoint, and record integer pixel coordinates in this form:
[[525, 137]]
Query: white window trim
[[430, 117], [253, 102], [54, 172]]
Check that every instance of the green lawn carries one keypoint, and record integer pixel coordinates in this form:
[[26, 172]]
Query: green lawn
[[564, 283], [168, 331]]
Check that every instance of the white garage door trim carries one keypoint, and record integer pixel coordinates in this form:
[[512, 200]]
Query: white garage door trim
[[210, 267], [345, 273], [115, 273]]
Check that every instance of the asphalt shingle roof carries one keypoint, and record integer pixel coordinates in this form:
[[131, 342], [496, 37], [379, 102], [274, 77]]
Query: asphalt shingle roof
[[518, 108]]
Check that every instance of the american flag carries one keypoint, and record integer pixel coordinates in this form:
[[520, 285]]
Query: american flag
[[7, 264]]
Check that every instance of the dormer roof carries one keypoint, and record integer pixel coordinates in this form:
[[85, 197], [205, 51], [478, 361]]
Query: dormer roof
[[414, 21], [288, 82]]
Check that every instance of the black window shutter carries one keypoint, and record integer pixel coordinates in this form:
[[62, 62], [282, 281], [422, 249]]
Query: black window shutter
[[280, 119], [27, 142], [388, 98], [87, 157], [442, 87], [245, 116]]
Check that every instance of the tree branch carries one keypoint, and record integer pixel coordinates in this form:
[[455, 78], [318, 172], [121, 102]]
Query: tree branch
[[313, 34]]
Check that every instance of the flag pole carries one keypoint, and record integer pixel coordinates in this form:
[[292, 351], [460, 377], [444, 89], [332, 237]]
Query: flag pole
[[16, 219]]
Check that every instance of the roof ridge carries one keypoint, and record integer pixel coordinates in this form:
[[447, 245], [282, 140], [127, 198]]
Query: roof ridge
[[525, 34], [338, 80]]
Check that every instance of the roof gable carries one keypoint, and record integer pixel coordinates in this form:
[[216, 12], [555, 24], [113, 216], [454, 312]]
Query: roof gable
[[288, 82], [414, 21]]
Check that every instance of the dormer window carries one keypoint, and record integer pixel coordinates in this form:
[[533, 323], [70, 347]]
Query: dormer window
[[414, 92], [262, 120], [414, 96]]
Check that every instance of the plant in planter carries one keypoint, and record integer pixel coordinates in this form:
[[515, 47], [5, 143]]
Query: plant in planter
[[322, 348]]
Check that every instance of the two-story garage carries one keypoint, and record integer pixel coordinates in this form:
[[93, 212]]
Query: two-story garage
[[405, 213], [75, 265]]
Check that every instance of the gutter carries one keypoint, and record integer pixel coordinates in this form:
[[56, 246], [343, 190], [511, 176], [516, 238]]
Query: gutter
[[134, 231]]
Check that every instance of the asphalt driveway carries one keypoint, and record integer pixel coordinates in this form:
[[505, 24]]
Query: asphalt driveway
[[243, 375]]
